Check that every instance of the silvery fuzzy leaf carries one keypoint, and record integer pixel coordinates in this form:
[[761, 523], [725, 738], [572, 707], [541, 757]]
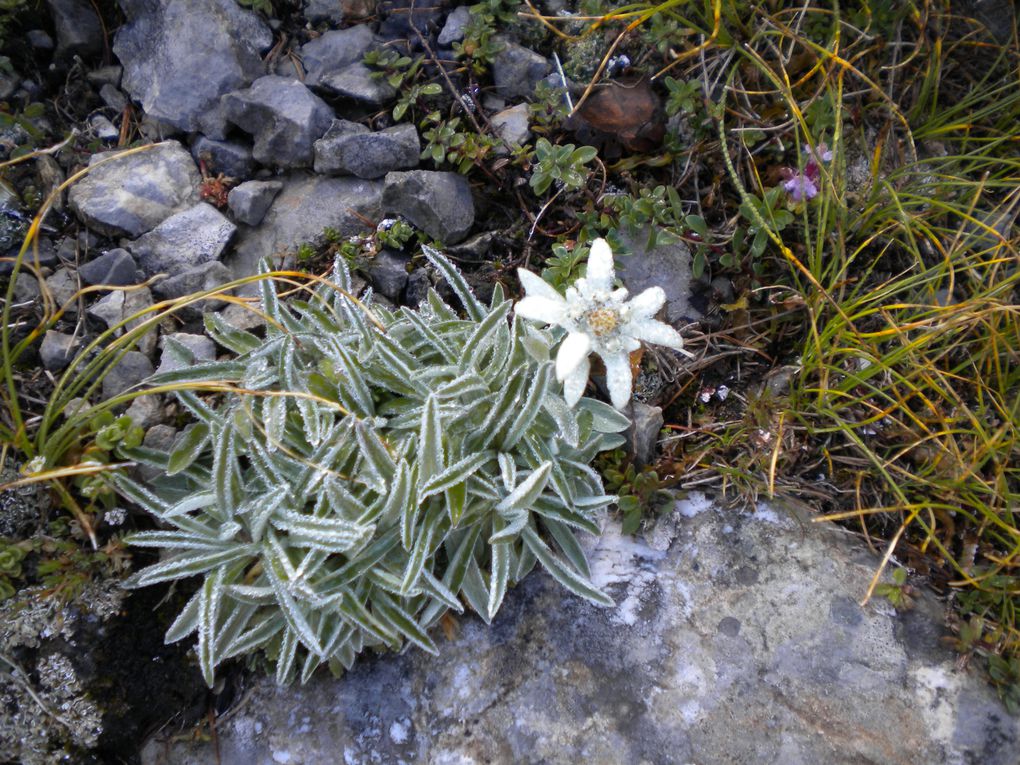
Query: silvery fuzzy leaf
[[585, 471], [397, 496], [525, 494], [438, 307], [563, 416], [531, 407], [507, 470], [430, 447], [295, 381], [553, 508], [595, 502], [259, 510], [569, 545], [439, 592], [455, 499], [285, 659], [250, 594], [375, 456], [270, 302], [186, 621], [500, 571], [460, 552], [332, 452], [311, 663], [208, 615], [209, 371], [292, 611], [255, 637], [341, 633], [274, 418], [536, 343], [457, 473], [456, 281], [238, 619], [538, 452], [226, 335], [198, 408], [476, 591], [188, 564], [606, 418], [173, 540], [225, 474], [390, 582], [562, 572], [481, 487], [503, 409], [422, 550], [264, 466], [135, 492], [338, 501], [404, 623], [526, 561], [495, 367], [330, 534], [314, 317], [467, 384], [353, 381], [498, 295], [354, 611], [187, 447], [430, 335], [483, 336], [515, 523], [259, 375]]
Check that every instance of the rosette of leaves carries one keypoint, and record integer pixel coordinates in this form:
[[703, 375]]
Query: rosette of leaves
[[361, 472]]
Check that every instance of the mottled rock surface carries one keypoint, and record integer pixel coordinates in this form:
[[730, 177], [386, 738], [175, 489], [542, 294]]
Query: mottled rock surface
[[666, 265], [349, 148], [737, 638], [129, 195], [438, 203], [335, 50], [176, 79], [190, 238]]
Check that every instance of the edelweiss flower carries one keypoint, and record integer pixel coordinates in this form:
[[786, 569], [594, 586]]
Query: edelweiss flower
[[597, 319]]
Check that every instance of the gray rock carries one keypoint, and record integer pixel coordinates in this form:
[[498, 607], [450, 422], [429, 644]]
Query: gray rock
[[335, 50], [181, 349], [739, 640], [160, 437], [129, 196], [129, 371], [643, 433], [146, 411], [103, 129], [349, 148], [112, 97], [39, 40], [285, 117], [388, 271], [63, 285], [79, 32], [205, 276], [232, 158], [105, 75], [516, 70], [306, 206], [418, 284], [58, 350], [667, 266], [512, 125], [176, 80], [189, 238], [121, 305], [250, 201], [355, 82], [240, 317], [438, 203], [453, 29], [115, 267], [324, 10], [26, 288]]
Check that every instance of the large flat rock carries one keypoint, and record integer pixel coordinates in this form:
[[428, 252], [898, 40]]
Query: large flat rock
[[737, 638]]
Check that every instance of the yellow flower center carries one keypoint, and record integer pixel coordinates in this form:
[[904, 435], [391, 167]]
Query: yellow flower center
[[602, 321]]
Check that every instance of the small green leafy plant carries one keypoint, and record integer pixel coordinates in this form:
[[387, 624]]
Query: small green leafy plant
[[641, 492], [564, 165], [362, 472], [403, 74]]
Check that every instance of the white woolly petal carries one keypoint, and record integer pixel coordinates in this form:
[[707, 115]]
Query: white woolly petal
[[541, 309], [536, 286], [630, 344], [600, 273], [657, 333], [648, 303], [573, 351], [618, 379], [574, 385]]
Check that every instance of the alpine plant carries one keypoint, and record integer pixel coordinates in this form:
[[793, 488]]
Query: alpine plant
[[361, 472]]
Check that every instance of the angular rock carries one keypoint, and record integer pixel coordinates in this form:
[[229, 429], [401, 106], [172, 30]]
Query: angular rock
[[512, 125], [175, 79], [250, 201], [205, 276], [667, 266], [516, 70], [129, 196], [197, 347], [418, 284], [62, 286], [26, 288], [58, 350], [335, 50], [189, 238], [129, 371], [112, 97], [115, 267], [456, 23], [355, 83], [643, 433], [239, 317], [146, 411], [120, 305], [79, 32], [737, 638], [388, 271], [285, 117], [306, 206], [39, 40], [349, 148], [324, 10], [103, 129], [232, 158], [438, 203]]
